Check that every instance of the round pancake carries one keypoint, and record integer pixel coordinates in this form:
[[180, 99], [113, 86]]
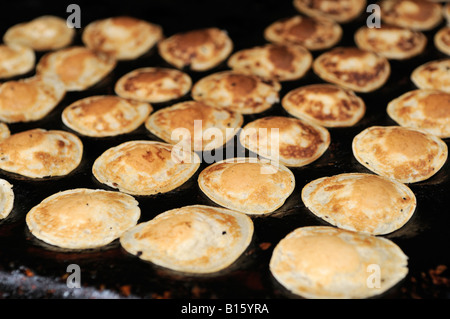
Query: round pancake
[[273, 61], [392, 42], [342, 201], [41, 34], [39, 153], [78, 67], [165, 122], [192, 239], [29, 99], [412, 14], [353, 68], [242, 93], [105, 115], [83, 218], [15, 59], [122, 37], [341, 11], [404, 154], [325, 104], [290, 141], [200, 50], [427, 110], [6, 198], [4, 131], [320, 262], [145, 167], [442, 40], [433, 75], [314, 33], [153, 84], [247, 185]]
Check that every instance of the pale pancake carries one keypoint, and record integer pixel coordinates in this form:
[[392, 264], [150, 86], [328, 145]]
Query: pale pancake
[[442, 40], [4, 131], [41, 34], [353, 68], [273, 61], [122, 37], [404, 154], [39, 153], [83, 218], [200, 50], [392, 42], [105, 115], [192, 239], [314, 33], [78, 67], [327, 105], [319, 262], [242, 93], [6, 198], [290, 141], [433, 75], [341, 11], [427, 110], [342, 200], [200, 126], [153, 84], [145, 167], [29, 99], [15, 59]]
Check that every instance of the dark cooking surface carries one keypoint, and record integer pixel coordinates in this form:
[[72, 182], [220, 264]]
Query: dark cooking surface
[[32, 269]]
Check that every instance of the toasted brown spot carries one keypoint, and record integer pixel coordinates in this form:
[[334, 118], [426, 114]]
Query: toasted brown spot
[[437, 106], [304, 29], [240, 84], [281, 57], [18, 95]]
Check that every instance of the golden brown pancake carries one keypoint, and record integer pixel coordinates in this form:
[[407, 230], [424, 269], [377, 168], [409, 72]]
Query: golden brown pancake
[[15, 59], [433, 75], [242, 93], [325, 104], [6, 198], [289, 141], [201, 126], [343, 201], [442, 40], [83, 218], [320, 262], [191, 239], [38, 153], [200, 50], [341, 11], [153, 84], [404, 154], [353, 68]]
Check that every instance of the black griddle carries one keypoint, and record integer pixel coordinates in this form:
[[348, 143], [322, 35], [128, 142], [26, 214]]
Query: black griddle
[[32, 269]]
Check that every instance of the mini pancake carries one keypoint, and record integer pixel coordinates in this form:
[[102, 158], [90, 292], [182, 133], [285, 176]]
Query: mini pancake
[[83, 218], [105, 115], [412, 14], [122, 37], [15, 59], [404, 154], [442, 40], [199, 119], [314, 33], [392, 42], [273, 61], [29, 99], [153, 84], [325, 104], [242, 93], [41, 34], [145, 167], [320, 262], [247, 185], [4, 131], [290, 141], [343, 201], [6, 198], [433, 75], [353, 68], [78, 67], [39, 153], [341, 11], [200, 50], [193, 239]]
